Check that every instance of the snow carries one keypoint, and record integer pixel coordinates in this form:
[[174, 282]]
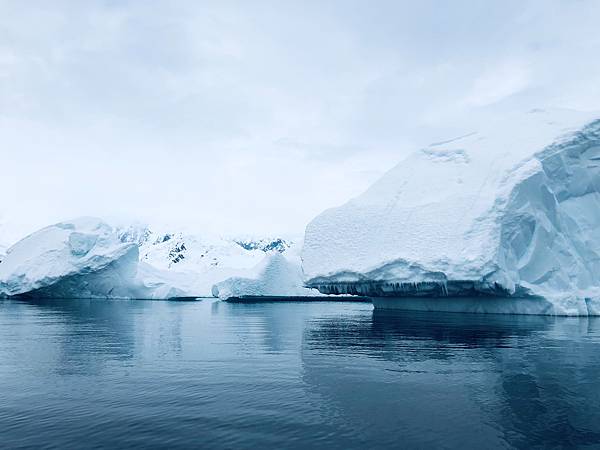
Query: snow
[[160, 284], [86, 258], [82, 258], [507, 207], [198, 252], [195, 262], [77, 258], [275, 276], [3, 240], [210, 265]]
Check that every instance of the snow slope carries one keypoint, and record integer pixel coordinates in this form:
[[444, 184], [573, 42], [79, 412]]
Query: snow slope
[[276, 275], [181, 251], [196, 262], [3, 240], [509, 207]]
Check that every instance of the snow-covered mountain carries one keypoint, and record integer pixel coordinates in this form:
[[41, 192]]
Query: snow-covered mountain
[[180, 251], [508, 207], [204, 260]]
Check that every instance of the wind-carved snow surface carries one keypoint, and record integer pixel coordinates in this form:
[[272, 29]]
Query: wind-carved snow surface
[[79, 258], [502, 219]]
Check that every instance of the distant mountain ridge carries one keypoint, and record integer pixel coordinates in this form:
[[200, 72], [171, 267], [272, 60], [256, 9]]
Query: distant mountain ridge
[[180, 251]]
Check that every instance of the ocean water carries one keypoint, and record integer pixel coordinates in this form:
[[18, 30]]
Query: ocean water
[[207, 374]]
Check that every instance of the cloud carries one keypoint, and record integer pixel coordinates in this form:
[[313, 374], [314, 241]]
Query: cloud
[[255, 116], [498, 83]]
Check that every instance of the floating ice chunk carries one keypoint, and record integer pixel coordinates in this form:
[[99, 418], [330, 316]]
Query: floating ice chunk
[[154, 283], [274, 276]]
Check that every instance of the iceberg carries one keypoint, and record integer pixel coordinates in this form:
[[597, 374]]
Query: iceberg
[[504, 217], [81, 258], [275, 276]]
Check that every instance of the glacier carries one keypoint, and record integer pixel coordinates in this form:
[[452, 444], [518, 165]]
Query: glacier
[[503, 217]]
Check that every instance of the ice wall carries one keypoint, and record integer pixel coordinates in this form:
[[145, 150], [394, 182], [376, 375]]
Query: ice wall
[[510, 209]]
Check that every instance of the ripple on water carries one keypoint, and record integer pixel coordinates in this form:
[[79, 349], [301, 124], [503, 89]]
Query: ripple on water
[[87, 373]]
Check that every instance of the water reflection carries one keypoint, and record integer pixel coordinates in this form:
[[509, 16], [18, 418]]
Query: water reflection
[[278, 327], [518, 380], [294, 375], [435, 334], [88, 334]]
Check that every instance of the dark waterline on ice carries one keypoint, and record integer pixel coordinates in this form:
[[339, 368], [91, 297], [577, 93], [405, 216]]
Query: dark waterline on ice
[[114, 374]]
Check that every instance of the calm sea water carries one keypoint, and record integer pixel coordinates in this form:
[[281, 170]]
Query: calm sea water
[[113, 374]]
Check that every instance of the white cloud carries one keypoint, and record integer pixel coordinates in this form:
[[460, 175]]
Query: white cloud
[[241, 116], [497, 83]]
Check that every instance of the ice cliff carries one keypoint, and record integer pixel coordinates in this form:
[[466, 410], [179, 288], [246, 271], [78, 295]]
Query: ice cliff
[[507, 209]]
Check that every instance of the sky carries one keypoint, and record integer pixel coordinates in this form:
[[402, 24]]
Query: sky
[[253, 117]]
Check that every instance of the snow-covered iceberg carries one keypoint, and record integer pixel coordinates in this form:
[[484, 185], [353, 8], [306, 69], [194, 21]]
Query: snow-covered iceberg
[[275, 276], [79, 258], [505, 217]]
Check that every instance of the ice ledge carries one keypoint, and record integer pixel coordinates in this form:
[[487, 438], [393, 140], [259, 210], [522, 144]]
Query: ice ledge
[[567, 306], [420, 289]]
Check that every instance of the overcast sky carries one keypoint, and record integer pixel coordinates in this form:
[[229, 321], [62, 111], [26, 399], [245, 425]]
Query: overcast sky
[[252, 116]]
